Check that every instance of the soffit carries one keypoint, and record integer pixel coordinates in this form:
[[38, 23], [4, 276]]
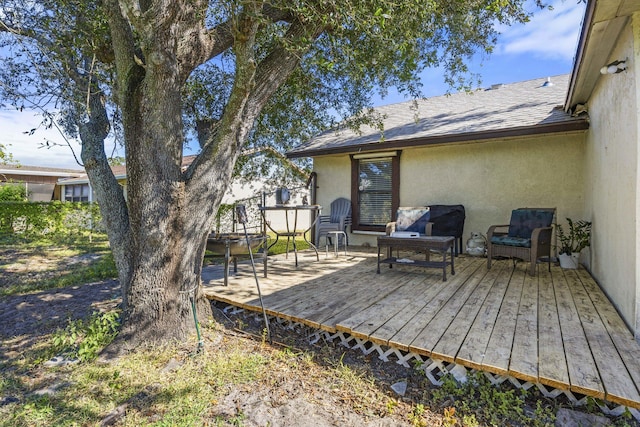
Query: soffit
[[603, 23]]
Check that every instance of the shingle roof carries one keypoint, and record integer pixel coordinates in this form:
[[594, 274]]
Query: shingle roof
[[37, 170], [119, 171], [503, 110]]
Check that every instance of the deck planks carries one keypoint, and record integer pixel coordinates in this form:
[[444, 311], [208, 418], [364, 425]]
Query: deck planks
[[552, 368], [369, 320], [498, 353], [524, 353], [556, 328], [443, 328], [474, 347], [390, 327], [313, 289], [408, 333], [366, 321], [626, 346], [448, 346], [583, 373], [345, 304], [619, 389]]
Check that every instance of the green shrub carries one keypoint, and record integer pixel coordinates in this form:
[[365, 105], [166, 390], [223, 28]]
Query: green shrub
[[13, 193], [49, 218], [83, 339]]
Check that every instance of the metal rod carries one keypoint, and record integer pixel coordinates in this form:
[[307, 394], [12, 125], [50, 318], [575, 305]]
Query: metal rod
[[200, 347], [242, 218]]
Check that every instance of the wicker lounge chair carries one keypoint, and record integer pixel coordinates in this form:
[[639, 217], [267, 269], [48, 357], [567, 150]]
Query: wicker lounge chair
[[526, 237], [338, 219]]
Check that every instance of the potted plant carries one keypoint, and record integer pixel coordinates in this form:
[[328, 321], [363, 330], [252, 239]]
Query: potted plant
[[573, 242]]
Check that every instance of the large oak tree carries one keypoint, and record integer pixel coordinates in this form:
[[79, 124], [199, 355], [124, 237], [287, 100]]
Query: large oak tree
[[239, 74]]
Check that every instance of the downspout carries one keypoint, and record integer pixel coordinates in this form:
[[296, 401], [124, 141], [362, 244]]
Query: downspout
[[312, 185]]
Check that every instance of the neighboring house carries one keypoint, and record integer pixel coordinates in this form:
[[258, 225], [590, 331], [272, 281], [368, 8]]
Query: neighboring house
[[569, 142], [78, 189], [40, 182]]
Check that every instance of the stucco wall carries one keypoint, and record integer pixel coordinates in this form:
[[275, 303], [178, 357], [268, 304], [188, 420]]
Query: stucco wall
[[489, 179], [612, 168]]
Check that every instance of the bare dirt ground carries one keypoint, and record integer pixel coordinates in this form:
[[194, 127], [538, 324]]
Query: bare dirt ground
[[304, 399], [292, 398], [26, 319]]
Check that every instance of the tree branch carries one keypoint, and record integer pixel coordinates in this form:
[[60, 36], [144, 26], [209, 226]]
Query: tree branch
[[275, 68], [219, 154], [113, 207], [129, 72], [220, 38], [251, 92], [302, 173]]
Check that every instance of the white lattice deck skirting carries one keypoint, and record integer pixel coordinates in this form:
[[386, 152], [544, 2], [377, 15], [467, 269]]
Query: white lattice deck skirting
[[433, 369]]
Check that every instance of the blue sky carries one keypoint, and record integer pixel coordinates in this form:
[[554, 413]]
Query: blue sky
[[543, 47]]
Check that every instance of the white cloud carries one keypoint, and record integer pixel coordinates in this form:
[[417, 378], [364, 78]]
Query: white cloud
[[32, 149], [551, 34], [27, 149]]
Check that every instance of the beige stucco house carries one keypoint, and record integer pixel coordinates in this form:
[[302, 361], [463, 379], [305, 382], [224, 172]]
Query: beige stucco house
[[569, 142], [40, 182]]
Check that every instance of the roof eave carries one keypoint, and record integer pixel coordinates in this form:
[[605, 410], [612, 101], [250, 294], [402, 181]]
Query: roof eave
[[31, 172], [602, 26], [481, 136], [577, 61]]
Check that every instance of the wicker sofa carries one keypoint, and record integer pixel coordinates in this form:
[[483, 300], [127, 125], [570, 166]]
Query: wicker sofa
[[411, 219], [444, 220]]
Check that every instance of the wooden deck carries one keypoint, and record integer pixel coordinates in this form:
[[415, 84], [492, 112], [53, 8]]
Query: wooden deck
[[557, 329]]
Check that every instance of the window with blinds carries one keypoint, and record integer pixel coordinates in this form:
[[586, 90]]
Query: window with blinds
[[375, 191], [76, 193]]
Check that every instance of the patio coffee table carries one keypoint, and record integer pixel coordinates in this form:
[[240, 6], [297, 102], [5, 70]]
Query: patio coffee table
[[440, 244]]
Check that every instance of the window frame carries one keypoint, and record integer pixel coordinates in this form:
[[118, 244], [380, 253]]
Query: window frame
[[73, 197], [355, 192]]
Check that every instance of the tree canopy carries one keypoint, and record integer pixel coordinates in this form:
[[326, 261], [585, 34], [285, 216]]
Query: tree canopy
[[225, 78], [362, 48], [5, 155]]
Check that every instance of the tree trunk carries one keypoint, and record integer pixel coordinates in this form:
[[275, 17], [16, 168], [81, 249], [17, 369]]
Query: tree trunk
[[172, 211], [113, 206], [168, 230]]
